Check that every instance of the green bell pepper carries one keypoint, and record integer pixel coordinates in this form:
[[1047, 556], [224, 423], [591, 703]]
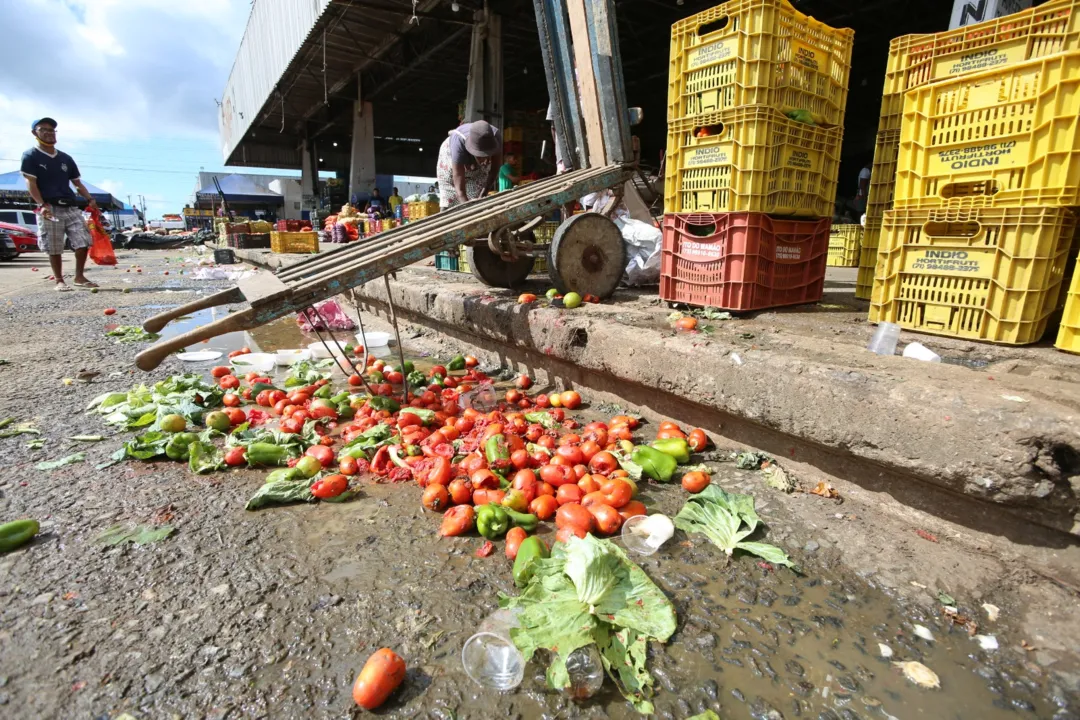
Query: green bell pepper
[[458, 363], [374, 376], [525, 521], [266, 454], [341, 397], [178, 446], [497, 452], [657, 465], [675, 447], [288, 474], [378, 402], [17, 533], [345, 411], [530, 549], [323, 392], [492, 521]]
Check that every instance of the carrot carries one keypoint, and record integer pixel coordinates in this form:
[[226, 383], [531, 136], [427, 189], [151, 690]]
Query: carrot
[[382, 674], [458, 520]]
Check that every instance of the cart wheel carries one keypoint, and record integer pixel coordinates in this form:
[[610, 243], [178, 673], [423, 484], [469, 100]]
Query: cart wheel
[[587, 255], [492, 270]]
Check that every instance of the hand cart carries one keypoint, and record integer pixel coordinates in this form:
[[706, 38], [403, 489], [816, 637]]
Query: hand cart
[[586, 253]]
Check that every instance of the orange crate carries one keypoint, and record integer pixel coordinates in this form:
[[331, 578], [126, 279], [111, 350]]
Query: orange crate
[[991, 273], [918, 60], [743, 261], [758, 52], [294, 242]]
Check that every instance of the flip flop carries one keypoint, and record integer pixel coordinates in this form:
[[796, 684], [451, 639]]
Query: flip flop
[[61, 287], [87, 284]]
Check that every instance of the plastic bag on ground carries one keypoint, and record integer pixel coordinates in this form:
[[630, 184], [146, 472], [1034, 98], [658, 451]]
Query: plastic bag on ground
[[643, 245], [330, 317], [101, 250]]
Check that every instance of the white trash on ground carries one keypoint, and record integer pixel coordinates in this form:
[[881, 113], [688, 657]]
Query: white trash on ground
[[219, 273], [918, 351], [643, 245]]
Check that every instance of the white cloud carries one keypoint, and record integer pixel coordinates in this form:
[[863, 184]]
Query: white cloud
[[113, 187], [114, 70]]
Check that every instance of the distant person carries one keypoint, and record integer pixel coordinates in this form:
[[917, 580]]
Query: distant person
[[864, 187], [394, 200], [375, 203], [49, 174], [469, 162], [507, 178]]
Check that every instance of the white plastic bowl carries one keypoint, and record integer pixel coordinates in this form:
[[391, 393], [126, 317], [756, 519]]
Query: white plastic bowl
[[291, 357], [320, 351], [261, 362], [373, 339]]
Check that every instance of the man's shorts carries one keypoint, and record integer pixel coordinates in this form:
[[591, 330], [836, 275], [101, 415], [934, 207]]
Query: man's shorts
[[68, 220]]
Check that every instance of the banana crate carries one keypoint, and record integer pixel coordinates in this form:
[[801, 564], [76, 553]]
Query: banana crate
[[758, 52], [918, 60], [294, 242], [844, 243], [990, 273], [1008, 137], [751, 160]]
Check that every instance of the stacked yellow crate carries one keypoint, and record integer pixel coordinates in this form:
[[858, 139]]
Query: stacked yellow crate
[[987, 180], [919, 60], [756, 99]]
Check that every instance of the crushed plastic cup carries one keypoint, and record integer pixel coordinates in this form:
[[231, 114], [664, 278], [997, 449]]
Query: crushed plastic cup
[[885, 338], [490, 657], [644, 534], [918, 351]]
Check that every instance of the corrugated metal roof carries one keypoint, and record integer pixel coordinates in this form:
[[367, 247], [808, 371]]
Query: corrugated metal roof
[[275, 32]]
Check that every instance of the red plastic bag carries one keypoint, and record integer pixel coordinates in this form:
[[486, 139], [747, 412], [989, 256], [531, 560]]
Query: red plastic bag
[[101, 251]]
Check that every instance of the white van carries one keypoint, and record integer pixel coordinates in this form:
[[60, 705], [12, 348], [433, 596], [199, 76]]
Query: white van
[[23, 218]]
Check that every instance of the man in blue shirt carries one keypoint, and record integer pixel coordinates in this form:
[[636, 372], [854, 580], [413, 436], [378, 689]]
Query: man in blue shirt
[[49, 174]]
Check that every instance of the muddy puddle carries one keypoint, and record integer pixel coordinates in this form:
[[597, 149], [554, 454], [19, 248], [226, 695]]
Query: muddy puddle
[[754, 641]]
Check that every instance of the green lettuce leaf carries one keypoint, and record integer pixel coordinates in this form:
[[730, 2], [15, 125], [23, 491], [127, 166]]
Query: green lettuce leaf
[[280, 492], [54, 464], [727, 519], [205, 457], [594, 570], [543, 418]]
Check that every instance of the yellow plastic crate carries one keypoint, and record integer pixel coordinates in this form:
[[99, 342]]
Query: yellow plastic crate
[[463, 259], [1068, 338], [918, 60], [758, 52], [756, 160], [294, 242], [545, 231], [883, 173], [981, 273], [1006, 137], [844, 242], [868, 249], [417, 210]]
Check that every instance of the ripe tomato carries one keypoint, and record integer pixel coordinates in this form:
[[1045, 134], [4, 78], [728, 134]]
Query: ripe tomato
[[323, 454], [628, 420], [323, 408], [557, 475], [514, 538], [594, 498], [546, 441], [668, 425], [568, 493], [603, 463], [460, 491], [236, 415], [543, 488], [572, 453], [524, 382], [544, 507], [484, 496], [580, 471], [220, 371], [439, 473], [263, 398], [574, 517], [291, 425], [524, 298], [695, 481], [570, 399], [471, 362], [542, 401], [632, 508], [608, 521], [588, 484], [438, 370], [436, 497], [513, 396], [236, 456], [589, 449], [281, 407], [383, 672], [669, 433], [348, 465], [686, 323], [617, 492], [484, 479], [229, 382], [330, 486], [394, 378], [301, 416], [231, 400], [555, 399], [697, 440]]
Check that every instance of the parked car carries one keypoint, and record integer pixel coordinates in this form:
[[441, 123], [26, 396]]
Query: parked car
[[27, 219], [25, 240], [8, 251]]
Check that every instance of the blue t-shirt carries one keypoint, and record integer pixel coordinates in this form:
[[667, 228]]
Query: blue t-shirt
[[53, 173]]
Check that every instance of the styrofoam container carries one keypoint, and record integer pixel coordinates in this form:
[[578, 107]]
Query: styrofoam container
[[373, 339], [262, 362], [291, 357]]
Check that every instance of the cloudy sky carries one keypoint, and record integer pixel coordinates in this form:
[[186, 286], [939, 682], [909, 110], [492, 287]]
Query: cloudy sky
[[132, 84]]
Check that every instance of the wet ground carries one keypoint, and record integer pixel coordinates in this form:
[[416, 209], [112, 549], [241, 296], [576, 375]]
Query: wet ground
[[271, 614]]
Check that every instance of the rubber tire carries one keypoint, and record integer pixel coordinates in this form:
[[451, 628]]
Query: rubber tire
[[493, 271], [606, 248], [8, 257]]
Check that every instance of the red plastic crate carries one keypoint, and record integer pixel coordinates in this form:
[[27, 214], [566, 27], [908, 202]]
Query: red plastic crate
[[743, 261]]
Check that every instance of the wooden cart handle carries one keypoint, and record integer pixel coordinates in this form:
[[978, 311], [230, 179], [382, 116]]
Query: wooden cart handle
[[225, 297], [152, 356]]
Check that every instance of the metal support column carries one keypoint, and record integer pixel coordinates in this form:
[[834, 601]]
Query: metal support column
[[553, 25]]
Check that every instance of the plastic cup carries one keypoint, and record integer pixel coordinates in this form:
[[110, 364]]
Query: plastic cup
[[645, 534], [918, 351], [490, 657], [885, 339]]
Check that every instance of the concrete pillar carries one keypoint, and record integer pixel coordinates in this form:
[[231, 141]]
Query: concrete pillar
[[362, 157], [308, 165], [484, 93]]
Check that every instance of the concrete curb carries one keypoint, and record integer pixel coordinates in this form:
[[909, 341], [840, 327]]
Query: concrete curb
[[959, 430]]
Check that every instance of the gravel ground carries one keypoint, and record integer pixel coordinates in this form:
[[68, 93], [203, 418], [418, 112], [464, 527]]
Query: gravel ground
[[271, 614]]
